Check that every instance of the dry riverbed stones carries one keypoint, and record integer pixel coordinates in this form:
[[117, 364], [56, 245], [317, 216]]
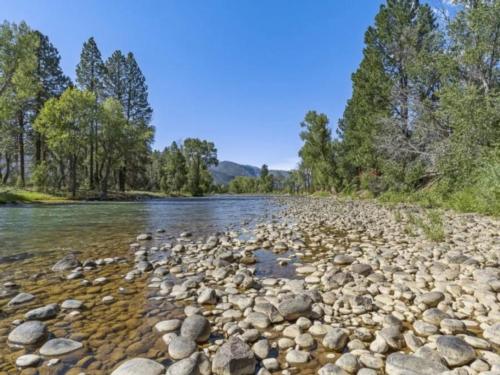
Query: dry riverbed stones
[[332, 287]]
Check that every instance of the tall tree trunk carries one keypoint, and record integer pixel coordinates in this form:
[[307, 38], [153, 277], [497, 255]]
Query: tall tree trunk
[[122, 174], [104, 181], [20, 122], [72, 171], [7, 169], [96, 144], [38, 148], [91, 161]]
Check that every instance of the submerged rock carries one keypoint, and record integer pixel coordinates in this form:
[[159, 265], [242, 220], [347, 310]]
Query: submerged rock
[[60, 346], [28, 333], [141, 366], [69, 262]]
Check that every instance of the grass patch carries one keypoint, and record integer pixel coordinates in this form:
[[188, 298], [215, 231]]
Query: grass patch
[[321, 194], [28, 196], [431, 224]]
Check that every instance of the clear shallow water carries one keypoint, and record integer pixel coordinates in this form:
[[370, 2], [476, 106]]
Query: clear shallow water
[[26, 230]]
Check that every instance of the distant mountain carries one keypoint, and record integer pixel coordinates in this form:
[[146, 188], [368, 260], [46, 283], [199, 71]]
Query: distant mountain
[[227, 170]]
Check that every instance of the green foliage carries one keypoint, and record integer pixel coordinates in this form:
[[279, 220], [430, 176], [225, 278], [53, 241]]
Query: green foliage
[[63, 122], [317, 152], [173, 170], [423, 122], [40, 176]]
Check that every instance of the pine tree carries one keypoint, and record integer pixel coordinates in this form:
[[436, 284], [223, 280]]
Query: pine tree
[[52, 80], [316, 153], [90, 74], [174, 169]]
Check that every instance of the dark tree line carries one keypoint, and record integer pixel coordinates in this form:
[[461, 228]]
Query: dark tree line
[[424, 114], [184, 168]]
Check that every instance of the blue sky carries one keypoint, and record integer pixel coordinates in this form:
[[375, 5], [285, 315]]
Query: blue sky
[[241, 73]]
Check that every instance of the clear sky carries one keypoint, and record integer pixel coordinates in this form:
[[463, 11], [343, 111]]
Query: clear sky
[[241, 73]]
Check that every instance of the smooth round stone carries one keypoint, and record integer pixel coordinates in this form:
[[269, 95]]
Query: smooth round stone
[[331, 369], [28, 360], [196, 327], [304, 341], [190, 365], [343, 259], [72, 304], [181, 347], [141, 366], [285, 343], [258, 320], [399, 364], [271, 364], [434, 316], [348, 362], [21, 298], [166, 326], [362, 269], [261, 348], [59, 346], [41, 313], [452, 326], [455, 351], [303, 323], [28, 333], [492, 333], [318, 330], [430, 299], [336, 339], [424, 329], [295, 357]]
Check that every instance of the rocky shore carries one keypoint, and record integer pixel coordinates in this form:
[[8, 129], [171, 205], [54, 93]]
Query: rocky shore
[[353, 288]]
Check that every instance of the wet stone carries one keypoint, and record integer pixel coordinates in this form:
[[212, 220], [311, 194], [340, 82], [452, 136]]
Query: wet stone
[[28, 333], [60, 346], [141, 366]]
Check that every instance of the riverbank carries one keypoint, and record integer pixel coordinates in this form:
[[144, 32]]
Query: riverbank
[[15, 196], [365, 290]]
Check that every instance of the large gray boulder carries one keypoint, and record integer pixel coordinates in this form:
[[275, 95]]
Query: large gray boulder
[[234, 358], [295, 307], [28, 333], [141, 366], [404, 364]]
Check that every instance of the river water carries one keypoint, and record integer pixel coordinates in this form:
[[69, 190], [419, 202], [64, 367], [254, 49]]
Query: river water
[[34, 237], [27, 230]]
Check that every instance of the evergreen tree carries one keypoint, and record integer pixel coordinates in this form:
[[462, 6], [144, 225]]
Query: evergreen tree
[[52, 83], [199, 155], [266, 180], [90, 74], [18, 88], [316, 153], [174, 169]]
